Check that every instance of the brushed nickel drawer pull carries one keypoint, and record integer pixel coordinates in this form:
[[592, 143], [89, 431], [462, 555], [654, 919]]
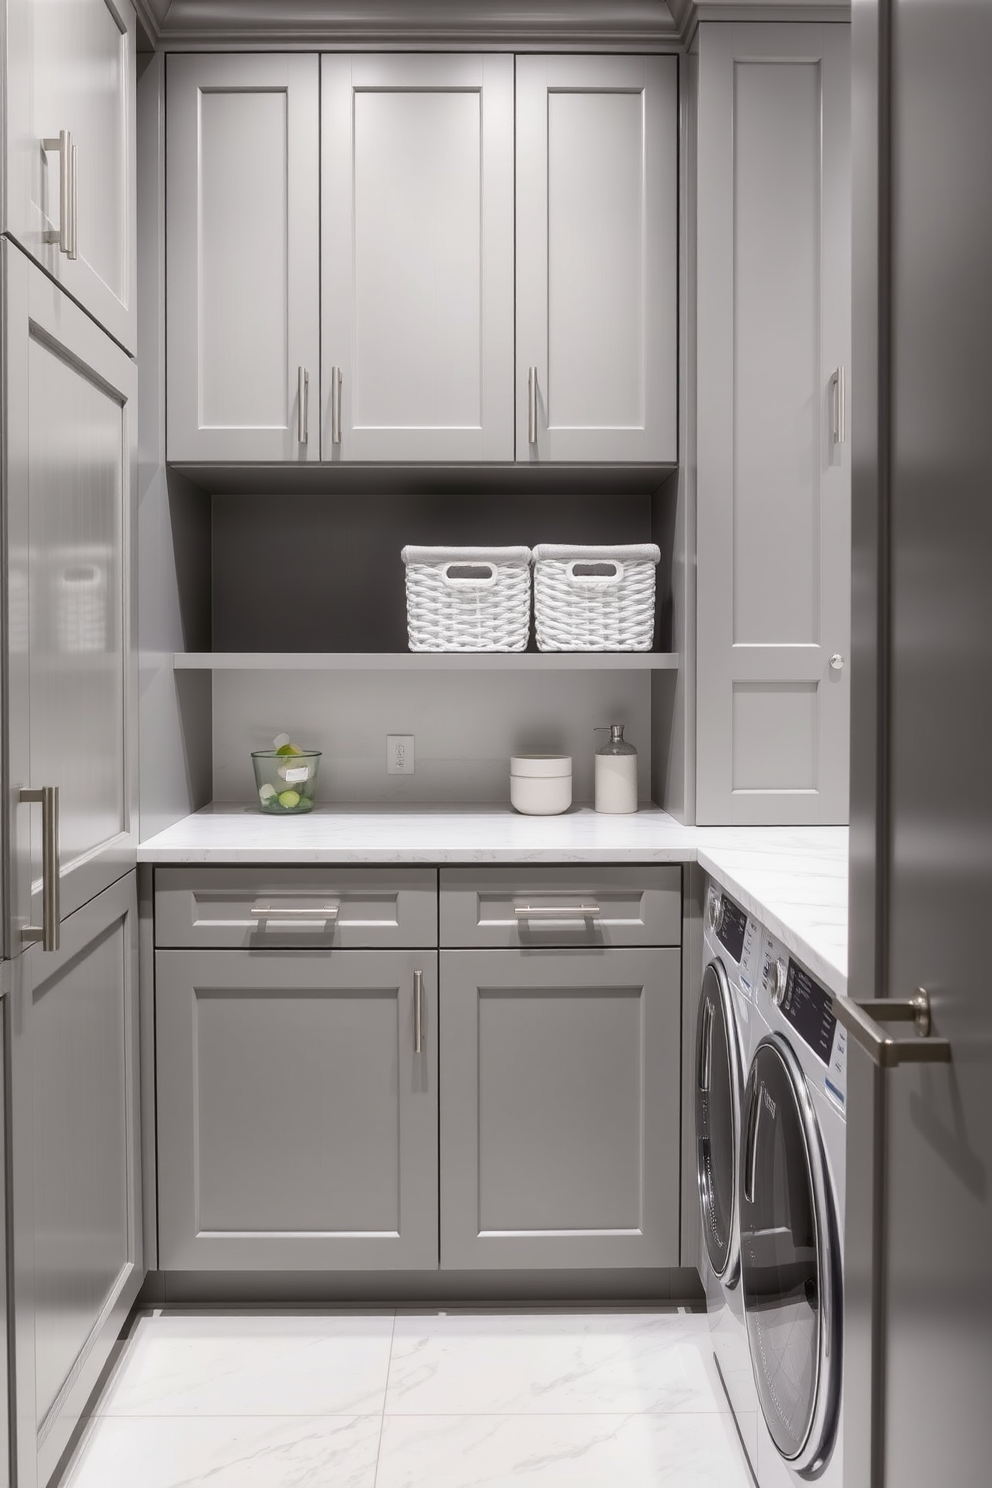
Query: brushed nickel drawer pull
[[556, 912], [276, 912], [63, 234]]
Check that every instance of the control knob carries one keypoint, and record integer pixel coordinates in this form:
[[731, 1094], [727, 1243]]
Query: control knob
[[776, 976], [714, 911]]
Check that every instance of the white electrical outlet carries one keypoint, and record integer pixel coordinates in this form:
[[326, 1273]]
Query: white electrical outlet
[[399, 754]]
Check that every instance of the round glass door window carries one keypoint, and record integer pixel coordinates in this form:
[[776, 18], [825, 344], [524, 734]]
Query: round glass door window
[[719, 1081], [789, 1272]]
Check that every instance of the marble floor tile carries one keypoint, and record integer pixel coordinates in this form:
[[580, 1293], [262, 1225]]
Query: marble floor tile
[[605, 1451], [228, 1452], [460, 1363], [244, 1364]]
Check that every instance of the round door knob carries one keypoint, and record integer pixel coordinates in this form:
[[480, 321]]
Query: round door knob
[[837, 662]]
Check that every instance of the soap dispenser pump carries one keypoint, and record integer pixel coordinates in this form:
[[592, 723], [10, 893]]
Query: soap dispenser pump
[[616, 773]]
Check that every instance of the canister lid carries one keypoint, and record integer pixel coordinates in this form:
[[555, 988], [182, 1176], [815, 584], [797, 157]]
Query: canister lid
[[541, 766]]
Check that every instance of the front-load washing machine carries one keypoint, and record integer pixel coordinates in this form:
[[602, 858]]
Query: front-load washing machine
[[791, 1208], [731, 964]]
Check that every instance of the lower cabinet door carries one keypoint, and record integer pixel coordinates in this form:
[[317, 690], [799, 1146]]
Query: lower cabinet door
[[76, 1264], [297, 1109], [560, 1108]]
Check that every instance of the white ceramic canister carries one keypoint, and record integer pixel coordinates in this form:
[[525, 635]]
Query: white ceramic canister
[[541, 784]]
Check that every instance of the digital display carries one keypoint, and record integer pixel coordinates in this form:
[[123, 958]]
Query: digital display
[[810, 1010], [733, 925]]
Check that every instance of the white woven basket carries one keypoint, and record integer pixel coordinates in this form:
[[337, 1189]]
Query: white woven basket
[[594, 598], [467, 599]]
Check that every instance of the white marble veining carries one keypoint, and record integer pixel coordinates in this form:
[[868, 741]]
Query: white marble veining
[[794, 879], [542, 1397], [227, 1452], [551, 1364], [222, 1364], [561, 1452]]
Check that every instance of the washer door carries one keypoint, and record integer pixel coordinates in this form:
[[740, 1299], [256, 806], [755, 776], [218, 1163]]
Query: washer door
[[719, 1083], [790, 1272]]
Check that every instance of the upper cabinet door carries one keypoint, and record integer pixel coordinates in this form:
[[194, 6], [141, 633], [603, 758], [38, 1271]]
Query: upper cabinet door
[[773, 470], [597, 258], [69, 79], [68, 474], [243, 179], [417, 258]]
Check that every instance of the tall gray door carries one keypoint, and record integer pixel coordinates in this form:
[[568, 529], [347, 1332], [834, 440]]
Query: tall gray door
[[773, 482], [922, 783]]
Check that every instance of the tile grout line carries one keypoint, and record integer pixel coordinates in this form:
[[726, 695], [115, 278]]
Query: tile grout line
[[385, 1392]]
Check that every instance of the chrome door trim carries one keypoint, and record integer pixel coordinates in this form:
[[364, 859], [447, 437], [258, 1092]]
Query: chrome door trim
[[819, 1440], [729, 1275]]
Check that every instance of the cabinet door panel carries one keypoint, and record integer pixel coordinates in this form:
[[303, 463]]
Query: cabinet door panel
[[297, 1124], [597, 274], [560, 1108], [68, 474], [417, 273], [72, 67], [243, 224], [773, 570], [75, 1144]]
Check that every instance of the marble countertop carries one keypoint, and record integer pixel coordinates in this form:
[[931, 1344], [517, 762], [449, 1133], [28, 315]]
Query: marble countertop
[[794, 879]]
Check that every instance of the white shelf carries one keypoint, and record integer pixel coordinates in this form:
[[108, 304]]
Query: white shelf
[[426, 661]]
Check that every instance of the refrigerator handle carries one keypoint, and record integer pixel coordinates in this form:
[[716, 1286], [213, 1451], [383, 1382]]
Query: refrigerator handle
[[48, 931]]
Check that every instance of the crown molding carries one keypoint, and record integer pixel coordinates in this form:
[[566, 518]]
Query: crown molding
[[687, 14], [421, 25], [151, 16]]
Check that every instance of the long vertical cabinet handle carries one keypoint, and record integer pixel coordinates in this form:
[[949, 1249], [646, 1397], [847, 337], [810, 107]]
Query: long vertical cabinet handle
[[839, 406], [336, 381], [532, 405], [303, 406], [73, 253], [63, 234], [48, 931], [418, 1012]]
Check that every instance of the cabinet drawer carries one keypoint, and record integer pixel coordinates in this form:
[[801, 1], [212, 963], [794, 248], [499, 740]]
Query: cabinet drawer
[[534, 907], [278, 908]]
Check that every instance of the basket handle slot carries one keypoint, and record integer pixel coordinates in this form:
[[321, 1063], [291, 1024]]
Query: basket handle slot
[[469, 575], [604, 575]]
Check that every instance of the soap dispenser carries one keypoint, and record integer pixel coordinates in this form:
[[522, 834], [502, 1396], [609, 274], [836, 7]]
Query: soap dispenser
[[616, 773]]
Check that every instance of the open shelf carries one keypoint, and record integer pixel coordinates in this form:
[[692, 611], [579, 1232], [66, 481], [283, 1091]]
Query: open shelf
[[426, 661], [360, 478]]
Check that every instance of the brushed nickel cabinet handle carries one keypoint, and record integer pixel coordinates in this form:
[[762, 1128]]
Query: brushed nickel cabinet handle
[[62, 235], [73, 253], [532, 405], [48, 931], [839, 406], [278, 912], [302, 405], [418, 1012], [556, 911], [863, 1019], [336, 381]]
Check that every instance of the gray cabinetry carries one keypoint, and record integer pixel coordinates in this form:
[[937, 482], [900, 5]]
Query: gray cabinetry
[[68, 186], [533, 908], [597, 252], [417, 257], [243, 230], [773, 486], [560, 1108], [68, 477], [297, 1121], [76, 1259]]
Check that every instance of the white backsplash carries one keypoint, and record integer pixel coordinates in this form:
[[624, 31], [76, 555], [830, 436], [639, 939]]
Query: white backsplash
[[466, 726]]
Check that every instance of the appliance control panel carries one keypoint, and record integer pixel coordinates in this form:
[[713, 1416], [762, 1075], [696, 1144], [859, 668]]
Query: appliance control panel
[[808, 1008], [731, 927]]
